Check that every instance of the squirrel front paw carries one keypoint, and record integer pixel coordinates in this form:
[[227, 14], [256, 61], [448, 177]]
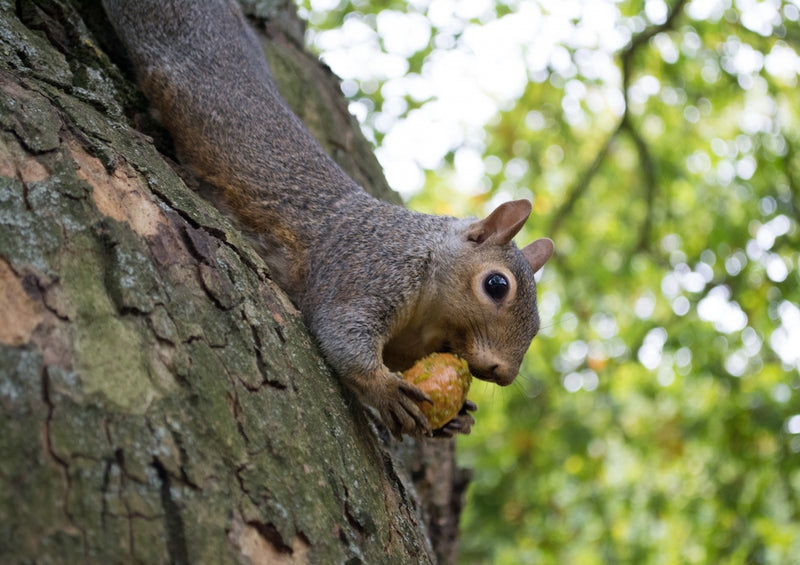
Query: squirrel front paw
[[397, 402], [461, 424], [400, 411]]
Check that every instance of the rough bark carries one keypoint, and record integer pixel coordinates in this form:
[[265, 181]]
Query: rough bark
[[160, 399]]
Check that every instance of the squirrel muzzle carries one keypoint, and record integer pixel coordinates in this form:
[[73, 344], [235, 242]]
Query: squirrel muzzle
[[499, 373]]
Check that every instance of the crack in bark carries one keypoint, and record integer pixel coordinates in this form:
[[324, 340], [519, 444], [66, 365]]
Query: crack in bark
[[61, 463], [260, 360], [104, 490], [352, 520], [118, 461], [182, 458], [217, 233], [173, 522], [240, 480], [270, 533], [279, 332], [233, 405]]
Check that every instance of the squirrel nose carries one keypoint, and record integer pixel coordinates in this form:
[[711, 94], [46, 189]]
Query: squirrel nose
[[498, 373], [503, 375]]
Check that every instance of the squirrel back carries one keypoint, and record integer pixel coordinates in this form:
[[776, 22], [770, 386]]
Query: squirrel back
[[379, 286]]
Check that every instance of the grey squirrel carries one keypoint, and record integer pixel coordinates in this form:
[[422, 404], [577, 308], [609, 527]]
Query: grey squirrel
[[378, 285]]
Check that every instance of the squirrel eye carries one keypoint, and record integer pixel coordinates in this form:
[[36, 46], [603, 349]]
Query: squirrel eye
[[496, 286]]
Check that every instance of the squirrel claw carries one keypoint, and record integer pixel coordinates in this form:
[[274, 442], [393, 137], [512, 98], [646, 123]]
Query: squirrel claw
[[414, 393], [400, 412], [461, 424]]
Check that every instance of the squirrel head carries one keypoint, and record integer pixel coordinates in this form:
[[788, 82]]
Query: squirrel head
[[493, 329]]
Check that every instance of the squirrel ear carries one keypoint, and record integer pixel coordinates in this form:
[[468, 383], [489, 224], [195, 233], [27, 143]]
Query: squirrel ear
[[502, 225], [538, 252]]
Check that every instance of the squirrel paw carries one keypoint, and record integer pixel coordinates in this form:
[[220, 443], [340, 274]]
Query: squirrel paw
[[461, 424], [399, 410]]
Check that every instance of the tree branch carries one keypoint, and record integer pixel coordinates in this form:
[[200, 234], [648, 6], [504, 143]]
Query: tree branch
[[650, 183], [648, 163], [641, 39], [582, 185]]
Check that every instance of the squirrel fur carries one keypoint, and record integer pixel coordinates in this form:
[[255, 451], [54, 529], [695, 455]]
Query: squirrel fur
[[378, 285]]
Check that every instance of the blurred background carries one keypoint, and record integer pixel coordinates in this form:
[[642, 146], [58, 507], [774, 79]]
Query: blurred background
[[657, 416]]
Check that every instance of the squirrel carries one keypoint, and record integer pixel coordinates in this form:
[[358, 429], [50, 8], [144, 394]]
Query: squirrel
[[378, 285]]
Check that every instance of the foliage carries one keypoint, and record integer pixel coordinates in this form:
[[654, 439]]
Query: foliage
[[657, 417]]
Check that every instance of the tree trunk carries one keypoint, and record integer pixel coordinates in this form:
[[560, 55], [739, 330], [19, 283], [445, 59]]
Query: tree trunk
[[161, 399]]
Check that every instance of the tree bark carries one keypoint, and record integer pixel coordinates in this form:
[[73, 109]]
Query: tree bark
[[161, 399]]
